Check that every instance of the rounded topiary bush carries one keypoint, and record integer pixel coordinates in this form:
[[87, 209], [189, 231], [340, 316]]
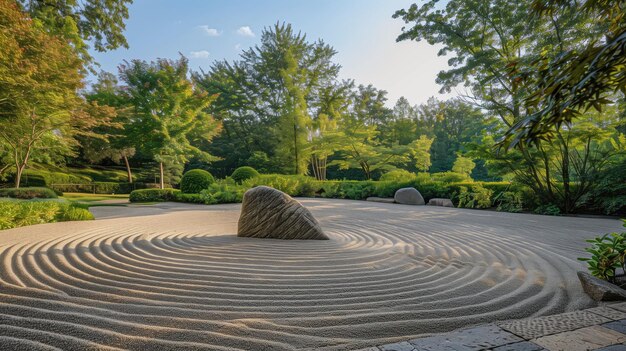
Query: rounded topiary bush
[[196, 180], [244, 173]]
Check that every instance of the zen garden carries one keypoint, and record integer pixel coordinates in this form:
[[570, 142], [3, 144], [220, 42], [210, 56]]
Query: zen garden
[[375, 175]]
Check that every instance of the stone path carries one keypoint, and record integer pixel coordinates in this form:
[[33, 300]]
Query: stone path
[[599, 328]]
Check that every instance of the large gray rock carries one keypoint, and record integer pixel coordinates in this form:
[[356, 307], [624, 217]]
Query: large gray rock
[[270, 213], [440, 202], [600, 290], [408, 196]]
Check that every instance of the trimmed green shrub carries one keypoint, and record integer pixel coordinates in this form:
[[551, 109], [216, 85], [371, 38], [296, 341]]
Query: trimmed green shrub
[[15, 214], [397, 175], [244, 173], [28, 193], [196, 180], [189, 198], [153, 195]]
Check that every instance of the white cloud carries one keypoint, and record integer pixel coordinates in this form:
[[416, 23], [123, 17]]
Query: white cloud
[[212, 32], [202, 54], [238, 47], [245, 31]]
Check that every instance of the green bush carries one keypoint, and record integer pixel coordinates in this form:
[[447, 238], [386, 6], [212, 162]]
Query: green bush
[[153, 195], [244, 173], [548, 209], [28, 193], [294, 185], [196, 180], [397, 175], [74, 213], [608, 253], [475, 196], [15, 214], [189, 198], [223, 193], [450, 177], [509, 201]]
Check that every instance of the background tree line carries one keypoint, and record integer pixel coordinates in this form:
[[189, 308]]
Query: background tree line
[[281, 107]]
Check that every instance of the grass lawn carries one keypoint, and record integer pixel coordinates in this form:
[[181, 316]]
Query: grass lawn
[[88, 198]]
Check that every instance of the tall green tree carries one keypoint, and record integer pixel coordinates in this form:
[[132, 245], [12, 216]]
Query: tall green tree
[[81, 23], [269, 98], [39, 78], [168, 113], [109, 140]]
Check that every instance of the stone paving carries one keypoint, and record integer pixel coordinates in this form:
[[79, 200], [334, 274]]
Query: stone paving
[[600, 329]]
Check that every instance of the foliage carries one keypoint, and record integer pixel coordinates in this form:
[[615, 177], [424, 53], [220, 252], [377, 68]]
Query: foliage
[[196, 180], [419, 150], [294, 185], [548, 209], [450, 177], [168, 113], [463, 165], [579, 78], [15, 214], [223, 193], [39, 77], [268, 98], [397, 175], [485, 41], [509, 201], [80, 22], [474, 196], [153, 195], [608, 253], [244, 173], [28, 193]]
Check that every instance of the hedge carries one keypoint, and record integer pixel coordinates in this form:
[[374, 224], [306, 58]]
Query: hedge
[[153, 195], [28, 193]]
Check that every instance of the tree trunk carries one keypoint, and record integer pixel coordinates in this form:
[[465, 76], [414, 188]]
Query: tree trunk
[[130, 174], [161, 175], [18, 177], [295, 145]]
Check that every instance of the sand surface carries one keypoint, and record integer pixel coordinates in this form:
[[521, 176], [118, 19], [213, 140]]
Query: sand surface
[[175, 277]]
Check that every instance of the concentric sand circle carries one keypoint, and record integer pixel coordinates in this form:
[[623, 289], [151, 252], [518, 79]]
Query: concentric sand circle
[[177, 277]]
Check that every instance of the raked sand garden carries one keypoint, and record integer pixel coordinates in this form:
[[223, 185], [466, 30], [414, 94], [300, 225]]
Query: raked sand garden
[[176, 276]]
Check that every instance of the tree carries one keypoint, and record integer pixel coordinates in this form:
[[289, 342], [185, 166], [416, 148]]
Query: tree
[[583, 77], [109, 140], [420, 152], [463, 165], [489, 39], [168, 118], [80, 22], [39, 77]]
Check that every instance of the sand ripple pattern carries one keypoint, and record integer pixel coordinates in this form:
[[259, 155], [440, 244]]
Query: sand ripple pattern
[[182, 280]]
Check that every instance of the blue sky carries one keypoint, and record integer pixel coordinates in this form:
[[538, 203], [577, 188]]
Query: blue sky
[[361, 31]]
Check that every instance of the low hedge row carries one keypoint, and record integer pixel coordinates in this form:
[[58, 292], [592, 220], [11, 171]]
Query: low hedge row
[[503, 195], [153, 195], [29, 193]]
